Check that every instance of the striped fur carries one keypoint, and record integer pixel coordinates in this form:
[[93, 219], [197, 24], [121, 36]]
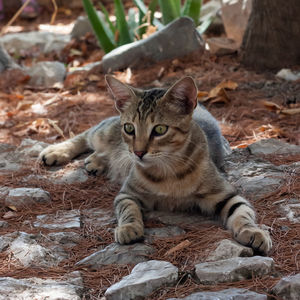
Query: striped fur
[[178, 169]]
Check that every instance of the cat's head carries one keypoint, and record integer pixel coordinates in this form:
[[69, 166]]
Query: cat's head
[[156, 122]]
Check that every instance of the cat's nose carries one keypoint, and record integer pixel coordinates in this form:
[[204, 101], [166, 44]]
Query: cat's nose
[[140, 154]]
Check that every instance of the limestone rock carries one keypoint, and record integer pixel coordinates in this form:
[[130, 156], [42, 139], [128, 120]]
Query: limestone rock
[[273, 147], [69, 176], [5, 240], [6, 61], [167, 231], [26, 197], [145, 278], [234, 269], [288, 288], [235, 16], [163, 45], [97, 217], [47, 73], [229, 294], [118, 254], [229, 249], [31, 148], [46, 41], [70, 287], [60, 220], [67, 239], [221, 46]]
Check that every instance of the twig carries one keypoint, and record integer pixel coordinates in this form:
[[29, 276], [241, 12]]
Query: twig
[[178, 247], [14, 17], [54, 13]]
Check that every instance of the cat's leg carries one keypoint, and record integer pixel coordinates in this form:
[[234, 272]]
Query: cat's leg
[[63, 152], [96, 163], [239, 217], [130, 221]]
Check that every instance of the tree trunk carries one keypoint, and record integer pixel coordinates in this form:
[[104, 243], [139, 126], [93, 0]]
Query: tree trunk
[[272, 36]]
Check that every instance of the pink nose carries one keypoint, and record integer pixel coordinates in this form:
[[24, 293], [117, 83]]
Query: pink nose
[[140, 154]]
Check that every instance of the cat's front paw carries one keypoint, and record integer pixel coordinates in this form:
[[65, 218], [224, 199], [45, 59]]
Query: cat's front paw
[[94, 164], [55, 155], [129, 233], [255, 238]]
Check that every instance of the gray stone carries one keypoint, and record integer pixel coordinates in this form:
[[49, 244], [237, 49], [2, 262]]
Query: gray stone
[[229, 294], [70, 287], [6, 61], [288, 288], [31, 148], [234, 269], [145, 278], [4, 190], [273, 147], [291, 210], [29, 252], [174, 218], [69, 176], [229, 249], [3, 224], [163, 45], [235, 16], [67, 239], [5, 240], [47, 73], [26, 197], [162, 232], [62, 219], [118, 254], [46, 41], [97, 218]]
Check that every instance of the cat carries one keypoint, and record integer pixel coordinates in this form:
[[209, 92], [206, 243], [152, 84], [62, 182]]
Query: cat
[[167, 151]]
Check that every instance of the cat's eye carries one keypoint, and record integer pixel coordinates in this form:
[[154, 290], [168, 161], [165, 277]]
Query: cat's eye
[[129, 128], [159, 130]]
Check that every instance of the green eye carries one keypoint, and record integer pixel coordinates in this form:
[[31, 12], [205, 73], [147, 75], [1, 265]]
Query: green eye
[[129, 128], [160, 129]]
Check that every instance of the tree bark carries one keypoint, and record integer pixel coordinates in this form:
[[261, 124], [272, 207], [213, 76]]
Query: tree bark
[[272, 36]]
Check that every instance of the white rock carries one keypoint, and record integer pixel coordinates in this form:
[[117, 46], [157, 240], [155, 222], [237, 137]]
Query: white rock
[[70, 287], [46, 41], [145, 278], [31, 148], [273, 147], [288, 288], [118, 254], [230, 294], [26, 197], [229, 249], [46, 73], [62, 219], [69, 176], [234, 269], [288, 74]]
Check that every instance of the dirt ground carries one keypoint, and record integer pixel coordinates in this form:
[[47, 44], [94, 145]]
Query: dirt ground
[[244, 116]]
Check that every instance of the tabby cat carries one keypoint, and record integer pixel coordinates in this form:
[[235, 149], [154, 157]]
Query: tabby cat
[[166, 150]]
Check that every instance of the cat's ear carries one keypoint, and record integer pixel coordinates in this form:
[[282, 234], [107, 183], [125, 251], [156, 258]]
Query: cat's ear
[[121, 92], [182, 96]]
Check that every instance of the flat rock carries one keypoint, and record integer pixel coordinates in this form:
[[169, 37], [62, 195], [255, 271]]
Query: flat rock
[[288, 288], [70, 287], [222, 46], [273, 147], [234, 269], [162, 232], [26, 249], [97, 218], [69, 176], [62, 219], [144, 278], [67, 239], [46, 41], [26, 197], [229, 294], [6, 61], [31, 148], [5, 240], [47, 73], [291, 209], [235, 16], [118, 254], [165, 44], [3, 224], [229, 249]]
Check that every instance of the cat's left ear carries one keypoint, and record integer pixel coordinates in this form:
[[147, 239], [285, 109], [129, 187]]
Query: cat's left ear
[[121, 92], [182, 96]]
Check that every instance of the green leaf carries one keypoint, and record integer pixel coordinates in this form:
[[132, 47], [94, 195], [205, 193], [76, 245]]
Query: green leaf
[[192, 9], [99, 27], [122, 26], [204, 25], [106, 14], [170, 10], [141, 6], [152, 7], [132, 23]]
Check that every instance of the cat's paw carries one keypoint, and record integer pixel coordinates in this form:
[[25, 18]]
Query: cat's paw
[[94, 165], [255, 238], [129, 233], [55, 155]]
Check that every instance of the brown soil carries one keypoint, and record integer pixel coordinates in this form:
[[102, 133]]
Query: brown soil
[[84, 101]]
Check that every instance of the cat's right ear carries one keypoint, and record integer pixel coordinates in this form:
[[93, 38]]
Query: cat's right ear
[[121, 92]]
